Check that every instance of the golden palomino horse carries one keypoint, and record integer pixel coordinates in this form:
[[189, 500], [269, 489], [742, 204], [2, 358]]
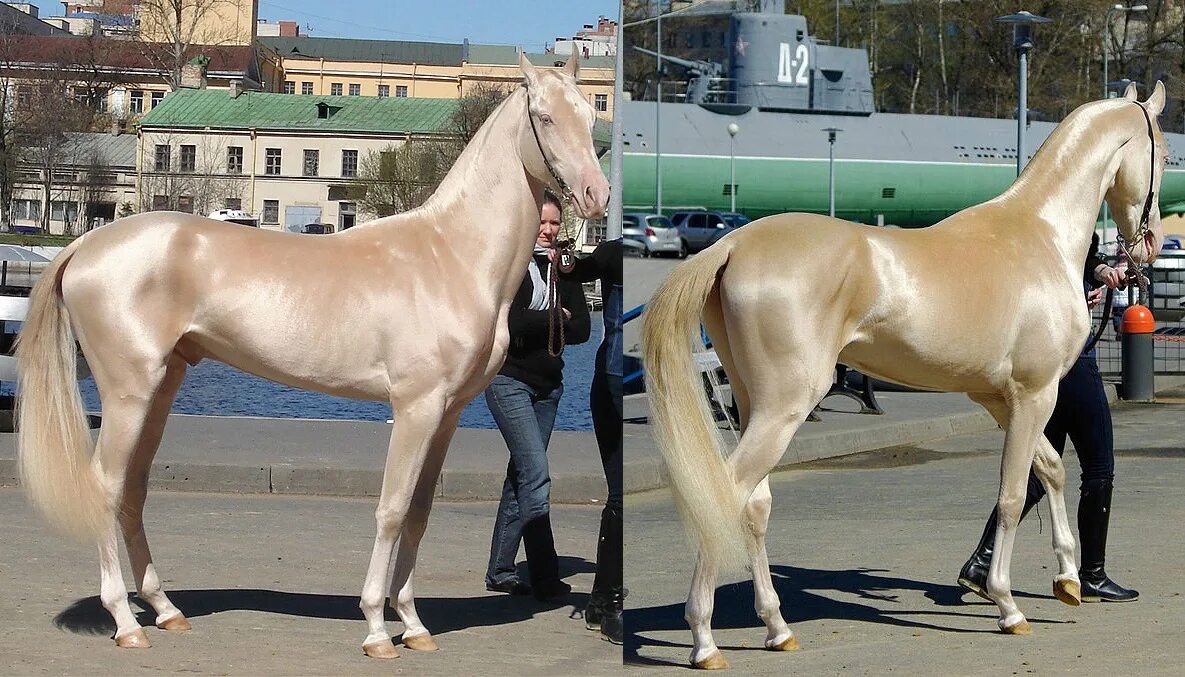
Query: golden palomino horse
[[423, 327], [987, 302]]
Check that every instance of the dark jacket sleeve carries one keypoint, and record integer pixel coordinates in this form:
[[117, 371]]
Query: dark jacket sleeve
[[603, 263], [578, 328], [527, 327], [1092, 262]]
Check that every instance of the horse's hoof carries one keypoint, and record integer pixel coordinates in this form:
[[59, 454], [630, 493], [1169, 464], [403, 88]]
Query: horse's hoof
[[788, 644], [1021, 628], [420, 643], [133, 640], [383, 649], [715, 661], [1068, 591], [176, 623]]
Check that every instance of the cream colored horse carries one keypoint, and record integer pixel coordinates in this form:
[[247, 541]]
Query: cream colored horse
[[420, 321], [987, 302]]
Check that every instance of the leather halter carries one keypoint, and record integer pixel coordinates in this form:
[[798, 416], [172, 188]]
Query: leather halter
[[1141, 231], [565, 191]]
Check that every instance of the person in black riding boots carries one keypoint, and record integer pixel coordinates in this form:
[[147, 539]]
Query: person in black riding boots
[[605, 602], [1082, 414], [545, 315]]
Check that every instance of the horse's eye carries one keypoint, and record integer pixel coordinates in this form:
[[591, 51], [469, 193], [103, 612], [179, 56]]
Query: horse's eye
[[545, 119]]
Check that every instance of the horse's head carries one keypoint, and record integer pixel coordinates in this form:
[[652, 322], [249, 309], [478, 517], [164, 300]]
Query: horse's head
[[561, 125], [1132, 195]]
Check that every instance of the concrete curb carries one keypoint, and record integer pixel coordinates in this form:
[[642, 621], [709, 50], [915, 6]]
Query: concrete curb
[[286, 478]]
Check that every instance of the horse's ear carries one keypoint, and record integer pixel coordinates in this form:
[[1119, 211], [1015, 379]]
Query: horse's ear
[[1130, 93], [1155, 103], [529, 71], [572, 66]]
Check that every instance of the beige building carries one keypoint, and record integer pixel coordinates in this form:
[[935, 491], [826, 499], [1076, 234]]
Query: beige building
[[393, 68], [287, 160], [225, 22]]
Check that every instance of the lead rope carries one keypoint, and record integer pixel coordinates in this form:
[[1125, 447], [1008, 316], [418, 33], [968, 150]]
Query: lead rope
[[555, 313]]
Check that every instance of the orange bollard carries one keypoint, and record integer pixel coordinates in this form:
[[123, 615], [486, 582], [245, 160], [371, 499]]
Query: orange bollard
[[1137, 375]]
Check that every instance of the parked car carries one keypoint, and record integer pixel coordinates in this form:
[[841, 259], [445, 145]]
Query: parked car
[[653, 231], [698, 230], [317, 229], [27, 230]]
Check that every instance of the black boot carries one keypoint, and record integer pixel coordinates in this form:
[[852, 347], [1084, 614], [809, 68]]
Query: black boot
[[1094, 512], [974, 573], [605, 603]]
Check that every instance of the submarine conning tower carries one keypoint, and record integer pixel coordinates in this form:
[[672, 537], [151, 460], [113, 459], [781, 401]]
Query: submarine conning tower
[[774, 64]]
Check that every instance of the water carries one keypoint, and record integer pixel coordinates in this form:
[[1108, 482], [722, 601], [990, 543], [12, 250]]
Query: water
[[214, 389]]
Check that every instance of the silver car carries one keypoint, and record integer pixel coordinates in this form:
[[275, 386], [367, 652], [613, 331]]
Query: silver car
[[653, 231]]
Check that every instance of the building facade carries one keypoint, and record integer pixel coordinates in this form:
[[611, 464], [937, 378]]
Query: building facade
[[289, 161], [396, 68]]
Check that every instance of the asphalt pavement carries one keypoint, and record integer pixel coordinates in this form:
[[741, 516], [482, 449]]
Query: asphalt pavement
[[865, 550], [271, 585]]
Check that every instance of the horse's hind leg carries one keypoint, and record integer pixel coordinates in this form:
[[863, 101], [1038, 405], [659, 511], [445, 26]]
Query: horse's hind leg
[[415, 636], [127, 399], [131, 514], [765, 599], [1047, 465]]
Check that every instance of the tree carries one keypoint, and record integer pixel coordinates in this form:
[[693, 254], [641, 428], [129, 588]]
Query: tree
[[402, 177], [170, 28], [399, 178], [197, 188]]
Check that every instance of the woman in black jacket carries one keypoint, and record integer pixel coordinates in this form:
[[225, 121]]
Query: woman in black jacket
[[545, 315]]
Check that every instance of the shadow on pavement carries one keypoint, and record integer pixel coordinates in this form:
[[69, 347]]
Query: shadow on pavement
[[440, 614], [799, 590]]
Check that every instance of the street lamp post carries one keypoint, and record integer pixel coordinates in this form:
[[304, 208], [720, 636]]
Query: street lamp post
[[658, 118], [733, 128], [1022, 41], [831, 132]]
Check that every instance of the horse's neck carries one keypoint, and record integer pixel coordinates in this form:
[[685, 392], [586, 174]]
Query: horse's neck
[[1062, 188], [487, 206]]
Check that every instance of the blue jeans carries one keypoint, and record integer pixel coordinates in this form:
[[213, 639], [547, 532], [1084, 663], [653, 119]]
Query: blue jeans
[[525, 418]]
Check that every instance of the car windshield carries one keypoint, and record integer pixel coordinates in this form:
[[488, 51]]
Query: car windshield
[[736, 220]]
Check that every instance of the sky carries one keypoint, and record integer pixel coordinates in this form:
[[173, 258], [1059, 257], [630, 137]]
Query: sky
[[528, 24]]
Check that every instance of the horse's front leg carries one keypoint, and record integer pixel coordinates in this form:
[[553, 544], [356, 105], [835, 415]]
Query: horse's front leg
[[1027, 417], [418, 418], [415, 636], [1047, 465]]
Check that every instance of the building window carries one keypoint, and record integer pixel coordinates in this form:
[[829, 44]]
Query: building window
[[349, 163], [26, 210], [136, 106], [160, 203], [162, 159], [185, 203], [347, 215], [355, 89], [235, 203], [401, 90], [157, 97], [188, 158], [271, 165], [312, 158], [601, 102], [234, 159], [271, 211], [384, 90], [289, 87], [306, 88], [335, 89]]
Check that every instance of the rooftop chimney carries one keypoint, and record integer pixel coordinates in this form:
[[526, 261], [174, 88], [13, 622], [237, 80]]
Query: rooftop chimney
[[193, 74]]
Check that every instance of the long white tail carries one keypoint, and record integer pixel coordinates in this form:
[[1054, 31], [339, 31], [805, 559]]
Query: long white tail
[[687, 436], [53, 439]]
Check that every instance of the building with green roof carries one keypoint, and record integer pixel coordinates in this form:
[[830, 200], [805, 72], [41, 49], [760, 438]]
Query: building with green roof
[[288, 160]]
